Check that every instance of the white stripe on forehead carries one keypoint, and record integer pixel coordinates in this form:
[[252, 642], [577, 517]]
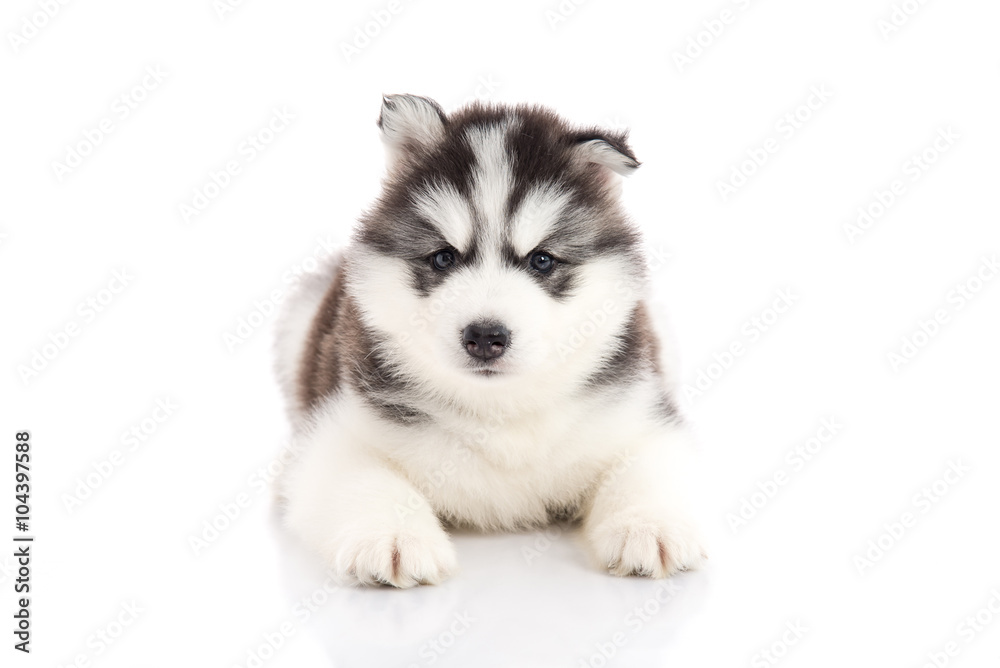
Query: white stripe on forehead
[[491, 179], [447, 210], [537, 215]]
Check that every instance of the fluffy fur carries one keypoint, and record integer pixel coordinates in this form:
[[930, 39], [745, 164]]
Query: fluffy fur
[[401, 431]]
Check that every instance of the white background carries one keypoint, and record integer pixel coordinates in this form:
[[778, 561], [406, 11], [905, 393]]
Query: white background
[[855, 297]]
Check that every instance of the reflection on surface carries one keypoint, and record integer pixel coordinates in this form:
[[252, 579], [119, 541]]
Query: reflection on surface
[[529, 599]]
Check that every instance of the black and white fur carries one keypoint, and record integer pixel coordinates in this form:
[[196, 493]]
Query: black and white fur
[[404, 426]]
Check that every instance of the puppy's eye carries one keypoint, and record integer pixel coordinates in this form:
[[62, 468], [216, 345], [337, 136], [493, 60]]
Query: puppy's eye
[[541, 262], [443, 259]]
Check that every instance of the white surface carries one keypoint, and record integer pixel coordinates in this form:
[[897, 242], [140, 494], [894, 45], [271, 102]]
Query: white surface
[[163, 336]]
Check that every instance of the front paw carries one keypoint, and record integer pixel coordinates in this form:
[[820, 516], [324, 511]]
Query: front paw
[[631, 545], [401, 558]]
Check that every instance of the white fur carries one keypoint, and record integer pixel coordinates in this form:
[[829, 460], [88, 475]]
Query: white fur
[[501, 451], [492, 179], [600, 152], [408, 119], [534, 218], [298, 313], [448, 211], [509, 448]]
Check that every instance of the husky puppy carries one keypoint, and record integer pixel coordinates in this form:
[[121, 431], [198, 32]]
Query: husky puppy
[[480, 355]]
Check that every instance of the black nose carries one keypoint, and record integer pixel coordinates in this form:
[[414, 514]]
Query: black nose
[[485, 341]]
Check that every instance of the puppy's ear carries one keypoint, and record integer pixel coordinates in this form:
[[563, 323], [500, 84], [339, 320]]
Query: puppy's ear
[[606, 149], [409, 124]]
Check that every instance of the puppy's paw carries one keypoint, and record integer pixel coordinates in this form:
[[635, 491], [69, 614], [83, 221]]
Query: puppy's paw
[[402, 558], [628, 545]]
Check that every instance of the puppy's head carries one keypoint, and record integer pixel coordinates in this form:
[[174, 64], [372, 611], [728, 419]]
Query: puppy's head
[[497, 259]]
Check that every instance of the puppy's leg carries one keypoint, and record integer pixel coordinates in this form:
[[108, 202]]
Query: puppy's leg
[[637, 522], [369, 523]]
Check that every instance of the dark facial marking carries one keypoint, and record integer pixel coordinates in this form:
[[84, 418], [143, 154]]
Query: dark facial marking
[[381, 386], [636, 350]]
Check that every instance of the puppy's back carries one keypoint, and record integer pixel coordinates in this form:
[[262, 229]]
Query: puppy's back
[[311, 306]]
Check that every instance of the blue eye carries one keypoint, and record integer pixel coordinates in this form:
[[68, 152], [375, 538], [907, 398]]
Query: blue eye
[[541, 262], [443, 259]]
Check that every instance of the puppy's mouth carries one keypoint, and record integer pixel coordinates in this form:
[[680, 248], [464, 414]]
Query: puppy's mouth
[[486, 369]]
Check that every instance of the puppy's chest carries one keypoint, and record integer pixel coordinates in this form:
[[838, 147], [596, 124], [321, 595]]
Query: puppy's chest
[[548, 456]]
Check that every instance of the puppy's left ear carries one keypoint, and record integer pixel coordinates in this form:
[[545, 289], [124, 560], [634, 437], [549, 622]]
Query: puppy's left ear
[[409, 124], [606, 149]]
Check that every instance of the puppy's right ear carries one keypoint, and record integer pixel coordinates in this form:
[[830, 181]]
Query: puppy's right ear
[[607, 149], [410, 124]]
